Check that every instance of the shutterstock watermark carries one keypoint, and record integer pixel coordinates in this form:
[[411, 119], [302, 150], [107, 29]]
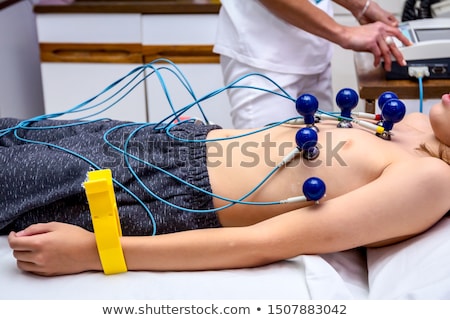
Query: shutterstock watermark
[[246, 154], [251, 154]]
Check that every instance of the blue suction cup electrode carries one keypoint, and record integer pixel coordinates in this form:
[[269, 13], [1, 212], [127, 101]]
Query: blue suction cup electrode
[[393, 111], [314, 189], [384, 97], [306, 140], [307, 106], [346, 99]]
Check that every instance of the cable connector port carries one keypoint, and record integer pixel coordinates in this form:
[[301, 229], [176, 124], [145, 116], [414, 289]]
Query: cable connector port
[[418, 71]]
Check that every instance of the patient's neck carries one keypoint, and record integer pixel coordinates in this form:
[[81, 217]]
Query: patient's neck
[[433, 147]]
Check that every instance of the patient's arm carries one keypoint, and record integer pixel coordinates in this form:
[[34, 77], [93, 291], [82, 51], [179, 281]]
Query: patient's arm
[[405, 200], [55, 248]]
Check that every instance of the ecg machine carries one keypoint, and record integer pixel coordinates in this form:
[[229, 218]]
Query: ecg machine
[[430, 49]]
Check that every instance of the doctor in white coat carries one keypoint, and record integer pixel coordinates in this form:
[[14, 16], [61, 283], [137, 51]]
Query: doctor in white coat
[[290, 42]]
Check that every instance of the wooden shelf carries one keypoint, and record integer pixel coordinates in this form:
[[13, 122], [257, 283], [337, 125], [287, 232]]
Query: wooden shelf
[[372, 82]]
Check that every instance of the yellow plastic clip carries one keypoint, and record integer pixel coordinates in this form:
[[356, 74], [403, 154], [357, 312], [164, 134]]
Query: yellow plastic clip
[[105, 219]]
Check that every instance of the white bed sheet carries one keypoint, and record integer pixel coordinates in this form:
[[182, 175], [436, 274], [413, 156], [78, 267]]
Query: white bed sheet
[[418, 268], [415, 269], [302, 278]]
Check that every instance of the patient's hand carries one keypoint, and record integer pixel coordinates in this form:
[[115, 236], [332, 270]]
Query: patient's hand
[[54, 248]]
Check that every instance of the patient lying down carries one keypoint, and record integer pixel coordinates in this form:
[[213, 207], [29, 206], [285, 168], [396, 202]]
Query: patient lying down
[[377, 192]]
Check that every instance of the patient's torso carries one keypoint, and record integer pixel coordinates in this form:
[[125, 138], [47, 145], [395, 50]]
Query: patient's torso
[[348, 159]]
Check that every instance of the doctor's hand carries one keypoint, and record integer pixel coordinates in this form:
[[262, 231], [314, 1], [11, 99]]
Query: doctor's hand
[[376, 13], [54, 248], [376, 38]]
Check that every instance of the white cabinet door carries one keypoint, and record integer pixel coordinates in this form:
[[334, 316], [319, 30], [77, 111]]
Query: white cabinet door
[[67, 85], [179, 28], [89, 28]]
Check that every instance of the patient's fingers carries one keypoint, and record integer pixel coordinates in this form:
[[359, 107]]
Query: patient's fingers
[[20, 243], [29, 267], [34, 229], [16, 242], [29, 238], [24, 256], [26, 260], [31, 261]]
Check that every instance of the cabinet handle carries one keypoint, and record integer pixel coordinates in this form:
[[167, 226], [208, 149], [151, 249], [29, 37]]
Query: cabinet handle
[[104, 53], [180, 53], [126, 53]]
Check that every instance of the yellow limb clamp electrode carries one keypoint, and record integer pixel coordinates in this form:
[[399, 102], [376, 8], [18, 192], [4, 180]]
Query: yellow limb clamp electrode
[[105, 219]]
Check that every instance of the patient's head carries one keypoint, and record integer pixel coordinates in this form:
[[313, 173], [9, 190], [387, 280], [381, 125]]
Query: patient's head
[[440, 120]]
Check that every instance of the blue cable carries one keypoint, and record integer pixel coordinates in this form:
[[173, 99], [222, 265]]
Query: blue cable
[[220, 90], [75, 154], [128, 83], [127, 155], [420, 94]]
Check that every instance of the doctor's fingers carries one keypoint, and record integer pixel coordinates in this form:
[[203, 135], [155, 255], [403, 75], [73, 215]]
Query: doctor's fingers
[[376, 13], [395, 32], [391, 20], [384, 30], [385, 54], [395, 52], [378, 53], [388, 51]]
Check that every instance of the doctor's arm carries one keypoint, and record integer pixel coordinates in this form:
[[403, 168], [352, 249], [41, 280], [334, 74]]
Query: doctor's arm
[[368, 11], [368, 38]]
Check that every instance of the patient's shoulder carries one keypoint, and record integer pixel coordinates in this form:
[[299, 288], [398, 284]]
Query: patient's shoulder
[[434, 164], [422, 167], [433, 172]]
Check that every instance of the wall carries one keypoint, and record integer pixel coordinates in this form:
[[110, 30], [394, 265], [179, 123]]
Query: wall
[[20, 77]]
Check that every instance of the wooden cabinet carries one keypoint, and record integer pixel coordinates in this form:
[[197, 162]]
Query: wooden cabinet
[[88, 45]]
